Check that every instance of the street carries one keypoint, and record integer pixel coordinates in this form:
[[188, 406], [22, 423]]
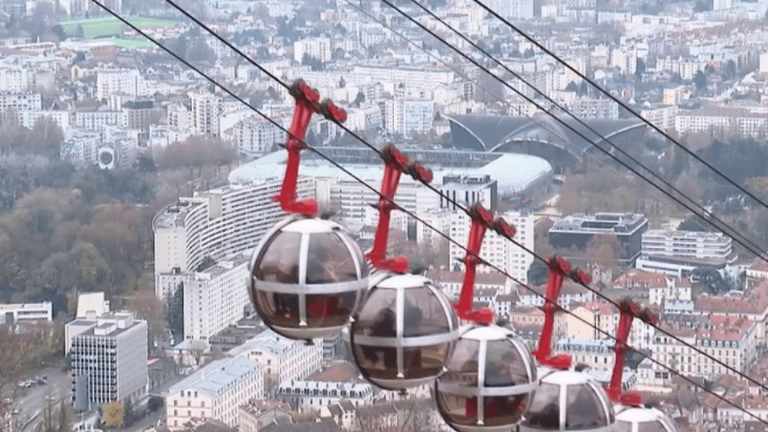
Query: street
[[37, 397]]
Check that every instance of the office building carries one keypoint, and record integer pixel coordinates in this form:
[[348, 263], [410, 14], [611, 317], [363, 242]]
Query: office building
[[578, 230], [109, 358], [467, 190], [318, 48], [214, 392], [215, 297], [207, 109], [688, 244], [218, 223], [23, 313]]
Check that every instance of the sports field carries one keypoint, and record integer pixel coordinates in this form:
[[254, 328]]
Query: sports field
[[99, 27]]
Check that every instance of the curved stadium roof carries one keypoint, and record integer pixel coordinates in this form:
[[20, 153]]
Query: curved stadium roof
[[490, 132]]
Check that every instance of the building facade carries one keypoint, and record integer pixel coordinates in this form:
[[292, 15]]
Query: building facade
[[578, 230], [688, 244]]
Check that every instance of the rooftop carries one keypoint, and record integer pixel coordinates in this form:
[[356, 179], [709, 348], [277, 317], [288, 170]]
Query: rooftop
[[617, 223], [368, 167], [687, 235], [217, 376]]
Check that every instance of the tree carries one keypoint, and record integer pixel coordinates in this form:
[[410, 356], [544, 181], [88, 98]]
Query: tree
[[538, 272], [79, 31], [603, 250], [18, 355], [700, 80], [113, 414], [200, 51], [146, 306], [197, 152], [175, 312], [640, 68], [56, 420], [155, 403], [129, 415]]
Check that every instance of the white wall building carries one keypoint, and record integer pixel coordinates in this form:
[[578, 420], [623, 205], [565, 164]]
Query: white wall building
[[282, 359], [16, 79], [25, 313], [109, 358], [257, 136], [218, 223], [123, 81], [206, 110], [215, 392], [405, 117], [215, 297], [313, 395], [20, 101], [688, 244], [318, 48]]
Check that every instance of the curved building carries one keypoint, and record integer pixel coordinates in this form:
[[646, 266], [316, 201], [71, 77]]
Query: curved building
[[541, 135], [218, 223]]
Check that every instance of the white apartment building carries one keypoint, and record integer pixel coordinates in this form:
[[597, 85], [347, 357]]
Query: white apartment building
[[405, 117], [367, 118], [20, 313], [179, 116], [282, 359], [512, 9], [20, 101], [257, 136], [98, 120], [653, 287], [497, 250], [451, 283], [27, 119], [730, 340], [81, 148], [662, 117], [594, 108], [722, 121], [318, 48], [122, 81], [688, 244], [428, 76], [109, 358], [436, 217], [312, 395], [571, 294], [218, 223], [597, 354], [16, 79], [215, 297], [206, 110], [214, 392]]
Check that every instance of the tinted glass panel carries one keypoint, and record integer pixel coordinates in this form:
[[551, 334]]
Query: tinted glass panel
[[584, 409], [328, 310], [504, 365], [280, 260], [377, 318], [654, 426], [544, 412], [424, 362], [329, 260], [458, 409], [424, 315], [281, 310], [463, 367], [500, 411]]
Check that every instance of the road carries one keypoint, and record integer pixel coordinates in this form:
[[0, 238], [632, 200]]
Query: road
[[34, 399]]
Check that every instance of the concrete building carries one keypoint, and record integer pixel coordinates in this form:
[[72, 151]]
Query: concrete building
[[282, 359], [214, 392], [319, 48], [109, 358], [20, 101], [313, 395], [207, 108], [117, 81], [215, 297], [257, 136], [578, 230], [597, 354], [688, 244], [22, 313], [218, 223]]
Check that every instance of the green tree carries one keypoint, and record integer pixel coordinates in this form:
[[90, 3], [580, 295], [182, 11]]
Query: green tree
[[56, 419], [700, 80]]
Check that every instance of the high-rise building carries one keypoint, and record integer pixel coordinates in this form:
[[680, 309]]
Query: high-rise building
[[319, 48], [218, 224], [688, 244], [109, 358], [206, 110], [215, 297], [111, 81]]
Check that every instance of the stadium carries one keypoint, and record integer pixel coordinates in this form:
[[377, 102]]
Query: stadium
[[517, 175], [541, 135]]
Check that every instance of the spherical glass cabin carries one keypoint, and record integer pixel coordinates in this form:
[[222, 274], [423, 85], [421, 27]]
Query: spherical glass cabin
[[404, 334], [636, 419], [489, 381], [307, 278], [569, 401]]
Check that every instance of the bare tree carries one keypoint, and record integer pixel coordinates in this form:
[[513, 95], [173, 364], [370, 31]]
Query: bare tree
[[18, 355], [148, 307]]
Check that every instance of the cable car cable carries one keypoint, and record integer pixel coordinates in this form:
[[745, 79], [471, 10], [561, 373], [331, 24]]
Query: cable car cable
[[753, 248], [621, 104], [508, 104], [340, 167]]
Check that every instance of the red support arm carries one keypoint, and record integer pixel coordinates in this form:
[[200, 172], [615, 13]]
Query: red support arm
[[558, 269], [306, 105], [628, 310], [395, 164], [482, 220]]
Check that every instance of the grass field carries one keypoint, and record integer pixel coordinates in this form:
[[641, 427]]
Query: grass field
[[99, 27]]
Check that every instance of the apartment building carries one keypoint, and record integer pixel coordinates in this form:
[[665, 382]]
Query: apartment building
[[282, 359], [22, 313], [451, 282], [653, 287], [688, 244], [215, 392], [16, 79], [318, 48], [215, 297], [605, 317], [99, 119], [313, 395], [109, 358], [20, 101], [571, 294], [218, 223], [111, 81], [257, 136], [497, 250], [594, 108], [597, 354], [722, 121], [207, 109], [406, 117]]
